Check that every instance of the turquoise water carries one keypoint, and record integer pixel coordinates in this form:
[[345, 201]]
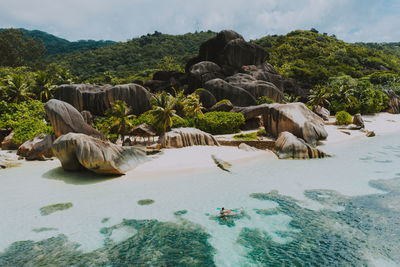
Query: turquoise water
[[340, 211]]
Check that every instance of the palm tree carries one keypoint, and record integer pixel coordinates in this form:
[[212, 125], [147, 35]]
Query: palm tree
[[319, 96], [44, 86], [163, 110], [120, 117], [16, 87], [193, 107]]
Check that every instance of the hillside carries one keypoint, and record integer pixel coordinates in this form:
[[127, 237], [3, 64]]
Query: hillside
[[56, 45], [312, 58], [138, 54], [387, 48]]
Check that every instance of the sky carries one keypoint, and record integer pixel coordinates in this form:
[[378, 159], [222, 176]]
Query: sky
[[120, 20]]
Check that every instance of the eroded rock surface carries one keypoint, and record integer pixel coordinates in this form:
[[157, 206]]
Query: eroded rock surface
[[80, 151], [288, 146], [8, 143], [66, 119], [322, 112], [295, 118], [97, 99], [183, 137], [39, 148]]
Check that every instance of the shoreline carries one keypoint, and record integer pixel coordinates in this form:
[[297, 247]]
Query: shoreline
[[198, 158]]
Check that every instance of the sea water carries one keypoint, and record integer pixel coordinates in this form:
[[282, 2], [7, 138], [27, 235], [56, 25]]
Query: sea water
[[339, 211]]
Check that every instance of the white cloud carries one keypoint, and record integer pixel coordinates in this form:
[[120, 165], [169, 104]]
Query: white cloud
[[351, 20]]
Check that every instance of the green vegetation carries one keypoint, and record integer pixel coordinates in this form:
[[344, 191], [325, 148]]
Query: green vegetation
[[27, 119], [262, 132], [247, 136], [146, 201], [221, 122], [135, 58], [343, 118], [47, 210], [349, 94], [163, 111], [121, 120], [264, 100], [312, 58]]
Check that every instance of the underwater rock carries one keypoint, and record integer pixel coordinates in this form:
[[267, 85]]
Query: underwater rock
[[288, 146], [183, 137], [223, 165], [79, 151], [147, 201], [370, 134], [47, 210], [295, 118], [39, 148], [66, 119]]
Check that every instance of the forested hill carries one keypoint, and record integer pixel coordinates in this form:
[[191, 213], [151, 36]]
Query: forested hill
[[388, 48], [56, 45], [125, 58], [312, 58]]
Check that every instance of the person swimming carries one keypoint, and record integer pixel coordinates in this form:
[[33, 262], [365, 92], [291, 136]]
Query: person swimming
[[224, 212]]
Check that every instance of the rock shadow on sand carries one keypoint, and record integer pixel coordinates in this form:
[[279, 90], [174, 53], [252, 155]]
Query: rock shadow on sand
[[83, 177]]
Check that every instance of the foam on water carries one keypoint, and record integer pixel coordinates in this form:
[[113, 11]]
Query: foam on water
[[333, 195]]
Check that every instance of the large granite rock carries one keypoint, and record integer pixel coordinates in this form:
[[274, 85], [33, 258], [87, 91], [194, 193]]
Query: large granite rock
[[80, 151], [97, 99], [251, 111], [39, 148], [65, 119], [256, 88], [183, 137], [223, 90], [230, 51], [4, 132], [87, 116], [288, 146], [202, 72], [206, 98], [264, 72], [166, 81], [295, 118]]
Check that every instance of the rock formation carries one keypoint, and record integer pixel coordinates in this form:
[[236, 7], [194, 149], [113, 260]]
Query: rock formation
[[322, 112], [87, 116], [358, 120], [288, 146], [394, 102], [97, 99], [183, 137], [38, 148], [80, 151], [65, 119], [295, 118], [223, 90], [8, 159], [223, 105], [8, 143], [202, 72], [206, 98]]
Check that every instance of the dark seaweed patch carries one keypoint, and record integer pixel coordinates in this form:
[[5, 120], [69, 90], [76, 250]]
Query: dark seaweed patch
[[146, 201], [180, 212], [47, 210]]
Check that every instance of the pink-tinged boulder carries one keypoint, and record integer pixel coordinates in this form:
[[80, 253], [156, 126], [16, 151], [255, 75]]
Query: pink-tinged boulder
[[295, 118], [80, 151]]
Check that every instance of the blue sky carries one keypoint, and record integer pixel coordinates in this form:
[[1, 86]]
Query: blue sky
[[120, 20]]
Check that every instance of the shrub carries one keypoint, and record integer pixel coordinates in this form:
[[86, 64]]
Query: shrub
[[248, 136], [219, 122], [262, 132], [264, 100], [343, 118], [29, 129], [149, 119]]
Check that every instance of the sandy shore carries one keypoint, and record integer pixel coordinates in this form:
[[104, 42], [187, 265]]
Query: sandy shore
[[381, 124]]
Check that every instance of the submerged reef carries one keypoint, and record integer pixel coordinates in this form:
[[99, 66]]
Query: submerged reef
[[154, 243], [366, 227], [47, 210], [146, 201]]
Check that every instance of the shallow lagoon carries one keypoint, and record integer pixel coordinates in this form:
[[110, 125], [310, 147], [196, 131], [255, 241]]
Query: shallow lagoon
[[342, 210]]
